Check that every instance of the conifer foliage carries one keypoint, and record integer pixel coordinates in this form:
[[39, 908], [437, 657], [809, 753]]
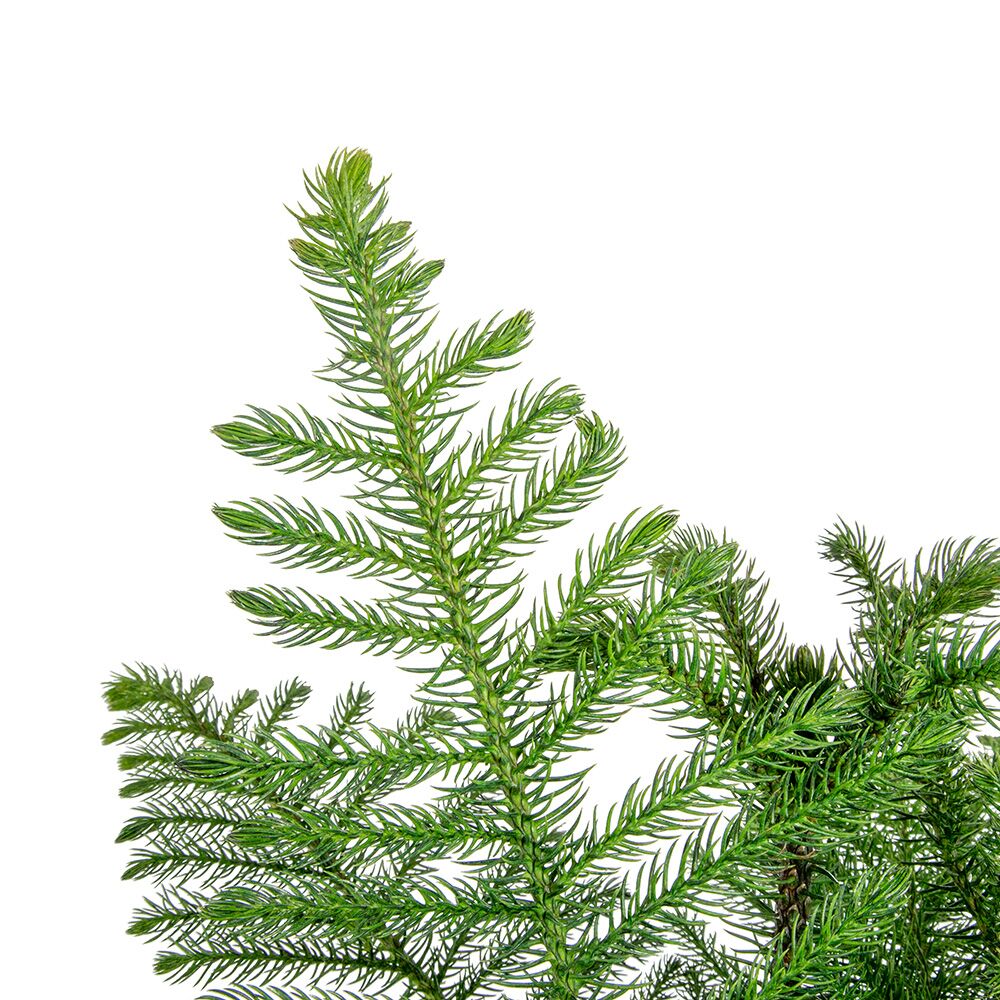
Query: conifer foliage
[[833, 814]]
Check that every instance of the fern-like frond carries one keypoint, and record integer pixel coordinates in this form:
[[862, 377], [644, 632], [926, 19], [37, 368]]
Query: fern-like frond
[[277, 993], [289, 759], [738, 613], [782, 736], [547, 496], [531, 420], [281, 706], [308, 536], [302, 443], [861, 564], [298, 618], [466, 360], [600, 579]]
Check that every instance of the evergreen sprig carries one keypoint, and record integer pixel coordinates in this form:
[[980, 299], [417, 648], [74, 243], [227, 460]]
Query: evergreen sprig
[[829, 819]]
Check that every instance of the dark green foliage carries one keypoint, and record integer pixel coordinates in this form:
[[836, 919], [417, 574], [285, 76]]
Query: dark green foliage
[[830, 815]]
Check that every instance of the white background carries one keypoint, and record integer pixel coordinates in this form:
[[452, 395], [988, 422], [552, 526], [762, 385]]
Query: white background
[[763, 237]]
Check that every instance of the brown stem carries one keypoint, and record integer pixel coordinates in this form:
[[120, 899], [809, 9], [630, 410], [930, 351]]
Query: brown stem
[[792, 908]]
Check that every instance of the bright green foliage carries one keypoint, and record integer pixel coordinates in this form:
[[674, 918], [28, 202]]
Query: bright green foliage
[[829, 812]]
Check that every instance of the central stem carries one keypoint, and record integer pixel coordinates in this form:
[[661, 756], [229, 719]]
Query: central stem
[[504, 760]]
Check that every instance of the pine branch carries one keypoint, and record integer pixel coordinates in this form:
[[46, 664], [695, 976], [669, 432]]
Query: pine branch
[[277, 993], [548, 495], [531, 421], [823, 956], [281, 707], [554, 629], [299, 618], [302, 443], [828, 812], [306, 536], [735, 612], [783, 734], [466, 360]]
